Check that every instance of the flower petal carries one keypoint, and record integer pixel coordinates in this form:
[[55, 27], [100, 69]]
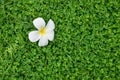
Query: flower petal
[[43, 41], [50, 25], [33, 36], [39, 22], [50, 35]]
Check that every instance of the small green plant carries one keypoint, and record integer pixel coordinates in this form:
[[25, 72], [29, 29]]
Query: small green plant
[[86, 45]]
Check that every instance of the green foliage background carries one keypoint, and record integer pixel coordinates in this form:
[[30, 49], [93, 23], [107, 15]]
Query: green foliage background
[[86, 44]]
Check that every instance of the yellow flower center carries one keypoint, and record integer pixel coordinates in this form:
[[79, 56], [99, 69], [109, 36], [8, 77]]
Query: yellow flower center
[[42, 31]]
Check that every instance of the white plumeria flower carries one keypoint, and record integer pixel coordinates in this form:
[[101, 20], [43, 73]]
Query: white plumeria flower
[[44, 33]]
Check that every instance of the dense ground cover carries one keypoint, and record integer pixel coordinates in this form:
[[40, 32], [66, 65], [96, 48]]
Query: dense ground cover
[[86, 44]]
